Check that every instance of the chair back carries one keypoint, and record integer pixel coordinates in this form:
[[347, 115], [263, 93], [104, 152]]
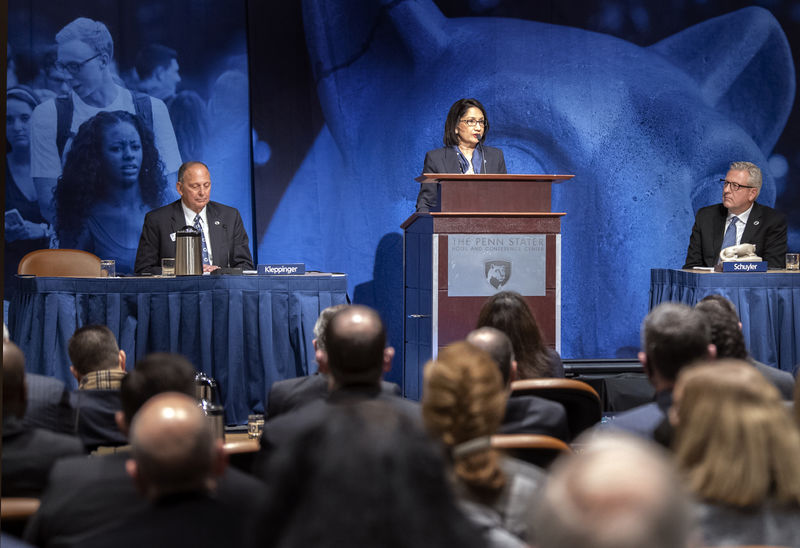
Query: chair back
[[533, 448], [66, 263], [580, 400]]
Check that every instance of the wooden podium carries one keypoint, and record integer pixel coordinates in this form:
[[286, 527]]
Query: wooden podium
[[492, 209]]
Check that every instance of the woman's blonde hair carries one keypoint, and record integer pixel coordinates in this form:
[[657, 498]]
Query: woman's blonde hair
[[464, 399], [735, 439]]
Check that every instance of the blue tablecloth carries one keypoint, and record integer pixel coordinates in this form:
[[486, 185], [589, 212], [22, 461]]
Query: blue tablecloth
[[768, 305], [245, 331]]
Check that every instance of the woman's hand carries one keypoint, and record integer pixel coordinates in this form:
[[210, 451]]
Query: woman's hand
[[18, 228]]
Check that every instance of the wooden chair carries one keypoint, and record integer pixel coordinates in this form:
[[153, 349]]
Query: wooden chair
[[242, 452], [66, 263], [580, 400], [17, 508], [534, 448]]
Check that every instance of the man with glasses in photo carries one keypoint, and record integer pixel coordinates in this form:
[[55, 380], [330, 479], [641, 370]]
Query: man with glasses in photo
[[85, 54], [738, 220]]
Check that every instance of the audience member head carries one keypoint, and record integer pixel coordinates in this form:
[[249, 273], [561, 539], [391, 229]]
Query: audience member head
[[86, 55], [508, 312], [319, 335], [734, 437], [376, 463], [158, 70], [463, 403], [154, 374], [726, 331], [94, 348], [14, 391], [618, 492], [189, 116], [355, 343], [497, 344], [174, 450], [673, 336]]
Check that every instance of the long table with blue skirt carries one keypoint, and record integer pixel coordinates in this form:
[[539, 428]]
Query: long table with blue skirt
[[768, 305], [245, 331]]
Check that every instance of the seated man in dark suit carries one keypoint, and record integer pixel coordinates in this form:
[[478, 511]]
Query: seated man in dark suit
[[28, 453], [357, 355], [176, 462], [99, 367], [290, 394], [673, 337], [524, 414], [738, 220], [223, 237], [85, 494], [47, 404]]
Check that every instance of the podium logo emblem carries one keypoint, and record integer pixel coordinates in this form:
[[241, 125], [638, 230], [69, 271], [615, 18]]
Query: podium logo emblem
[[497, 273]]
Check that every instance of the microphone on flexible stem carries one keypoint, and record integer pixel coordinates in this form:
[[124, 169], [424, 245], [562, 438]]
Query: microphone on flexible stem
[[483, 157]]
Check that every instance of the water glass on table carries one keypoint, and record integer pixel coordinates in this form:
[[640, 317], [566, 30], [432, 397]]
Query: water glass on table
[[255, 425], [168, 267], [108, 268], [793, 261]]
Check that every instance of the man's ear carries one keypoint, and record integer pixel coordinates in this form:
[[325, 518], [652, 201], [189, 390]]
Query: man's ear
[[322, 361], [122, 358], [643, 360], [220, 462], [388, 356], [119, 418], [512, 375], [75, 373]]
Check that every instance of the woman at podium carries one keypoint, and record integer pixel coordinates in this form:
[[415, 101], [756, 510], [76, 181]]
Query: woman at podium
[[465, 131]]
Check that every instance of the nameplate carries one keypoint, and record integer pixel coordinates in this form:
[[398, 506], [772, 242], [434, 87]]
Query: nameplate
[[744, 266], [282, 269]]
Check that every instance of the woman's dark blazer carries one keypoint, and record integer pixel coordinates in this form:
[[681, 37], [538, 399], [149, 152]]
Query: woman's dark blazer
[[445, 160]]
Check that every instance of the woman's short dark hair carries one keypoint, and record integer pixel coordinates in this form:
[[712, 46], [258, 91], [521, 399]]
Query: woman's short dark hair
[[509, 312], [458, 110], [83, 184]]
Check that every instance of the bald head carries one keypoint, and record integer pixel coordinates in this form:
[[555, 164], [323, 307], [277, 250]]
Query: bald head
[[497, 344], [14, 397], [174, 450], [355, 341], [619, 492]]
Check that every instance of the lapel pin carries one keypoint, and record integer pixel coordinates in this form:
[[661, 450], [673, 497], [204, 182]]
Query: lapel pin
[[216, 222], [756, 223]]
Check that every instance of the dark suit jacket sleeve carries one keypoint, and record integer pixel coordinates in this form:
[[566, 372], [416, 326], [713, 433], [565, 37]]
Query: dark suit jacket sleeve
[[694, 255], [240, 256], [428, 192], [774, 251], [501, 168], [148, 258]]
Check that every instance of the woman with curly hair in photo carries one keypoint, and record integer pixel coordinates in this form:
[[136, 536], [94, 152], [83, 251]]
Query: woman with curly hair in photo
[[112, 176]]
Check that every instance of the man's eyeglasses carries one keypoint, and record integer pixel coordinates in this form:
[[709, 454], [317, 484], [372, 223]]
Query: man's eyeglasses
[[734, 186], [473, 123], [73, 67]]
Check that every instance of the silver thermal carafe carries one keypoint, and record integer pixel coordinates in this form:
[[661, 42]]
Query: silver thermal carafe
[[188, 252], [206, 391]]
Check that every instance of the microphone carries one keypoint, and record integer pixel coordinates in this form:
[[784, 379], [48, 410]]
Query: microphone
[[483, 156]]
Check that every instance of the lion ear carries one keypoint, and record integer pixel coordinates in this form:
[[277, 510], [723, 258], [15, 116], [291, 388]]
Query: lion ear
[[743, 65], [350, 40]]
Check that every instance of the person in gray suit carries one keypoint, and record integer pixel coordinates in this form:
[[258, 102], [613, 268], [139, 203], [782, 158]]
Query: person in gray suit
[[224, 239], [673, 337]]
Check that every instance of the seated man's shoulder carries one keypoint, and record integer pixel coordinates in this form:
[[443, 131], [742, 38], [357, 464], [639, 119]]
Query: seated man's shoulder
[[642, 420]]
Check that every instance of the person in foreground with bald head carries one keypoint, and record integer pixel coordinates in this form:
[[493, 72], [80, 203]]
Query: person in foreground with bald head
[[618, 492], [176, 462], [524, 414], [357, 357], [86, 495]]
